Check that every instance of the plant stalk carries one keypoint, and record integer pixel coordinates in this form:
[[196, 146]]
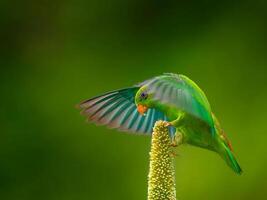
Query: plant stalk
[[161, 178]]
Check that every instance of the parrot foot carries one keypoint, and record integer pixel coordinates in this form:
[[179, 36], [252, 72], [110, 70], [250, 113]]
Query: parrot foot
[[173, 154], [174, 144], [177, 139]]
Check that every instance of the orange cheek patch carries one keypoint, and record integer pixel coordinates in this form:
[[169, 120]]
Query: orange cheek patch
[[142, 109]]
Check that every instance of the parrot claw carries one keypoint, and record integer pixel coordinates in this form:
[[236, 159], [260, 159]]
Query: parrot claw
[[173, 144], [173, 154]]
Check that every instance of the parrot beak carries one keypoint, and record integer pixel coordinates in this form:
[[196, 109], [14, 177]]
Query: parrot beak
[[142, 109]]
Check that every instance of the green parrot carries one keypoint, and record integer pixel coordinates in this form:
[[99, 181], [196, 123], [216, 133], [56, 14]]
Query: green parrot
[[170, 97]]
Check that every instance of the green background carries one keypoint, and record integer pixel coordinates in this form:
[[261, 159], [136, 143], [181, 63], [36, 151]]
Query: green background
[[54, 54]]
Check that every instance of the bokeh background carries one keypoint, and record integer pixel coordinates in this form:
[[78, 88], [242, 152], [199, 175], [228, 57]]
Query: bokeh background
[[53, 54]]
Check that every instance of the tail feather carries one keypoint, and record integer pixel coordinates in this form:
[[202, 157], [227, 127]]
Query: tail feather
[[230, 159]]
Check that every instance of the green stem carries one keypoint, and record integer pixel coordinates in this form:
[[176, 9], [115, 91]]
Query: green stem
[[161, 178]]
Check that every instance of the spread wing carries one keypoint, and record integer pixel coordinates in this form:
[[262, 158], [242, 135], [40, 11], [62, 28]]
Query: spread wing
[[180, 92], [117, 109]]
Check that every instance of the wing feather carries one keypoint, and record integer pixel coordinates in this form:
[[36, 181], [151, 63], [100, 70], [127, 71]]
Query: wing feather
[[117, 109]]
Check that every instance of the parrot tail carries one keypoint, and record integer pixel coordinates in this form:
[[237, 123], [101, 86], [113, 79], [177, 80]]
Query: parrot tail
[[228, 156]]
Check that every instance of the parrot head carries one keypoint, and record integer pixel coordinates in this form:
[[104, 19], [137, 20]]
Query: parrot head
[[143, 100]]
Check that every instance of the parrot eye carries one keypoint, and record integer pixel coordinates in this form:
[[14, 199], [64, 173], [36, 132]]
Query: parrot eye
[[143, 95]]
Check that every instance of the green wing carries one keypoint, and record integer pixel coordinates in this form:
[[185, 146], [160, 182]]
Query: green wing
[[181, 92], [117, 109]]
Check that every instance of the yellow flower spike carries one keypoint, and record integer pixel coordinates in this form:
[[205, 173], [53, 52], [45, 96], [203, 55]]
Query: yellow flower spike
[[161, 178]]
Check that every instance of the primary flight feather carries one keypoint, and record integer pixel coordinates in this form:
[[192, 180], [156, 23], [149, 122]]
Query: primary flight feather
[[170, 97]]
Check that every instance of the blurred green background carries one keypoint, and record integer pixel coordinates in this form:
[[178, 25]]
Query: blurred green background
[[54, 54]]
